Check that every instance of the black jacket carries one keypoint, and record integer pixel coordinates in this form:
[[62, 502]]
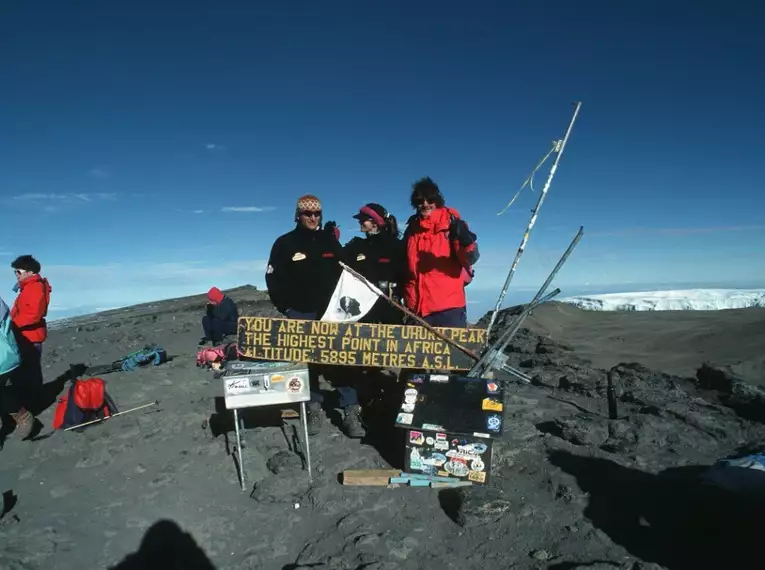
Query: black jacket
[[225, 311], [380, 258], [303, 270]]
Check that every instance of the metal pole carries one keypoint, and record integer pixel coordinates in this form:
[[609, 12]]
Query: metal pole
[[304, 418], [532, 221], [239, 448], [154, 403]]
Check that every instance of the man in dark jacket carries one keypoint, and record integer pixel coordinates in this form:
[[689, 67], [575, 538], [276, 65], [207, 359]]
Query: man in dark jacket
[[221, 318], [301, 276]]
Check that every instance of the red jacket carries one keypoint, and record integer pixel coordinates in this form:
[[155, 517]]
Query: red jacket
[[436, 280], [31, 307]]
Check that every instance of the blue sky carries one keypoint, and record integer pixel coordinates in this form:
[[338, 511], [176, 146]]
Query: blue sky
[[148, 152]]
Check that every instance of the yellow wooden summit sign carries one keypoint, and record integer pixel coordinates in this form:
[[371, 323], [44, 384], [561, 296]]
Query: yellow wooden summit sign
[[357, 344]]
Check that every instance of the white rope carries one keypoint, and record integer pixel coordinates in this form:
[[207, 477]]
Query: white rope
[[556, 146]]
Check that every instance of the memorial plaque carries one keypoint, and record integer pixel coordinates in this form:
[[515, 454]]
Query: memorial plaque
[[356, 344]]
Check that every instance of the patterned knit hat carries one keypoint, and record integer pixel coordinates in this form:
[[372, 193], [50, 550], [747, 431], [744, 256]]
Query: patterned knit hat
[[308, 203]]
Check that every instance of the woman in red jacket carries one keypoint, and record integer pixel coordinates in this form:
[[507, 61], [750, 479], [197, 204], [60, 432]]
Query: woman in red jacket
[[440, 251], [28, 316]]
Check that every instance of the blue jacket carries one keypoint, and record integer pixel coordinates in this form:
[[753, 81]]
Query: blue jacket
[[9, 350]]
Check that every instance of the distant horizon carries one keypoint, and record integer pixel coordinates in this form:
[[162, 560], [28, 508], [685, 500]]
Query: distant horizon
[[480, 300]]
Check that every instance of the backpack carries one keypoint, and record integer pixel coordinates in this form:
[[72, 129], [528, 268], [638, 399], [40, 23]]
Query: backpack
[[155, 355], [217, 354], [467, 272], [9, 348], [86, 400]]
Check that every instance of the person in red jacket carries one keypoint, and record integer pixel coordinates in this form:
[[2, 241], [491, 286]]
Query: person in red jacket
[[28, 316], [440, 250]]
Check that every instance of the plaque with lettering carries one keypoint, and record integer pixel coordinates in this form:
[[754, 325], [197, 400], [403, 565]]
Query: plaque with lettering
[[357, 344]]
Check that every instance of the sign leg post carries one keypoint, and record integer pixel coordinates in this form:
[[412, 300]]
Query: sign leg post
[[304, 419], [239, 448]]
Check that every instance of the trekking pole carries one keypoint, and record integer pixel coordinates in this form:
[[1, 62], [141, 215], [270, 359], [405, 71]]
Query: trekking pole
[[154, 403], [532, 221], [402, 308]]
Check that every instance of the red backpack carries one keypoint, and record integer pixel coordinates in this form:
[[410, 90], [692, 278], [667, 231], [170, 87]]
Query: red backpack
[[86, 400]]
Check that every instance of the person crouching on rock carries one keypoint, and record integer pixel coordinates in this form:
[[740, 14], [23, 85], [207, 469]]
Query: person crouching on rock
[[221, 318], [28, 316], [301, 275], [440, 250]]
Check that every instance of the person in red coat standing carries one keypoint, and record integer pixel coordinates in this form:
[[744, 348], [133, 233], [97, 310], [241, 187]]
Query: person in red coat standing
[[28, 316], [441, 251]]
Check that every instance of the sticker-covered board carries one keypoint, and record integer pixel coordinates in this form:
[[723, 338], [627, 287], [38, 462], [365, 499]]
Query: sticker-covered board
[[444, 454], [452, 403]]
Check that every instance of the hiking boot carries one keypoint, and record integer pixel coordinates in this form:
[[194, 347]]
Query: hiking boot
[[352, 424], [25, 421], [203, 341], [313, 418]]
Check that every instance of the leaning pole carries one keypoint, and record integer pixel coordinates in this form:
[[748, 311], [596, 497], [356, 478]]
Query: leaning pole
[[532, 221]]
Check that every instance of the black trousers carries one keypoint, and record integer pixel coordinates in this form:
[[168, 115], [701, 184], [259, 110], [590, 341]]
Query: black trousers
[[215, 328]]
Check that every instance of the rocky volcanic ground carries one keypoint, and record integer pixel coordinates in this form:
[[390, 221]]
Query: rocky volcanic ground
[[570, 488]]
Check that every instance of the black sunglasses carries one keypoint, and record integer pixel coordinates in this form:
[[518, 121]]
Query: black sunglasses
[[316, 213]]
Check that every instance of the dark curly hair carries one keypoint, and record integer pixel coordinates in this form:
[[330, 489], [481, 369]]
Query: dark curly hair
[[428, 190], [26, 263]]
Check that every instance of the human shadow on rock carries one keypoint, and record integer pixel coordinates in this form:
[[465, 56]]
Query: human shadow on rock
[[166, 547], [672, 518]]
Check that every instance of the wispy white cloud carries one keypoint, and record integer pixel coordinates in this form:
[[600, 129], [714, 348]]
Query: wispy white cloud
[[98, 172], [213, 146], [247, 209], [65, 198]]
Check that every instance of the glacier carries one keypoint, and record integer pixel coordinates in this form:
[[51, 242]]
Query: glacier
[[680, 300]]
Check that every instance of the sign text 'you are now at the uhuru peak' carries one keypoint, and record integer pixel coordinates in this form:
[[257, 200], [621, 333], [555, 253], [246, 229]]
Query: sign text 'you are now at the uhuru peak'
[[356, 344]]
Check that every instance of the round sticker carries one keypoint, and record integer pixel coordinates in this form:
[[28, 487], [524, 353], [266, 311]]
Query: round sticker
[[477, 465], [294, 385], [429, 440], [456, 468], [410, 392]]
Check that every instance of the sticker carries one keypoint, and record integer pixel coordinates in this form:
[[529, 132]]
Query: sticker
[[416, 379], [457, 468], [479, 448], [415, 461], [294, 385], [410, 392], [441, 446], [269, 270], [440, 378], [477, 465], [411, 400], [429, 441], [239, 385], [435, 459], [298, 256], [442, 473], [484, 435], [361, 257], [276, 378], [492, 387], [432, 427], [416, 437], [493, 422], [477, 476], [491, 404], [404, 418], [441, 436], [408, 407]]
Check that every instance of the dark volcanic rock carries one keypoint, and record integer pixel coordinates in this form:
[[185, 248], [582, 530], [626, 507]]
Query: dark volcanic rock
[[746, 399]]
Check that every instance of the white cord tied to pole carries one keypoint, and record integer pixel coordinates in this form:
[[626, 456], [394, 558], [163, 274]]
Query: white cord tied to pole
[[556, 146]]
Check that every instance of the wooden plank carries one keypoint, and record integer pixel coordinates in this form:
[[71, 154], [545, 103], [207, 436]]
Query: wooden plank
[[374, 477]]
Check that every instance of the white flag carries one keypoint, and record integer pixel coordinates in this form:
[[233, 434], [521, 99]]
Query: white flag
[[352, 299]]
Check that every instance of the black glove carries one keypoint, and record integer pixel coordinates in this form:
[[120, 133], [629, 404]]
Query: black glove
[[332, 228], [458, 231]]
